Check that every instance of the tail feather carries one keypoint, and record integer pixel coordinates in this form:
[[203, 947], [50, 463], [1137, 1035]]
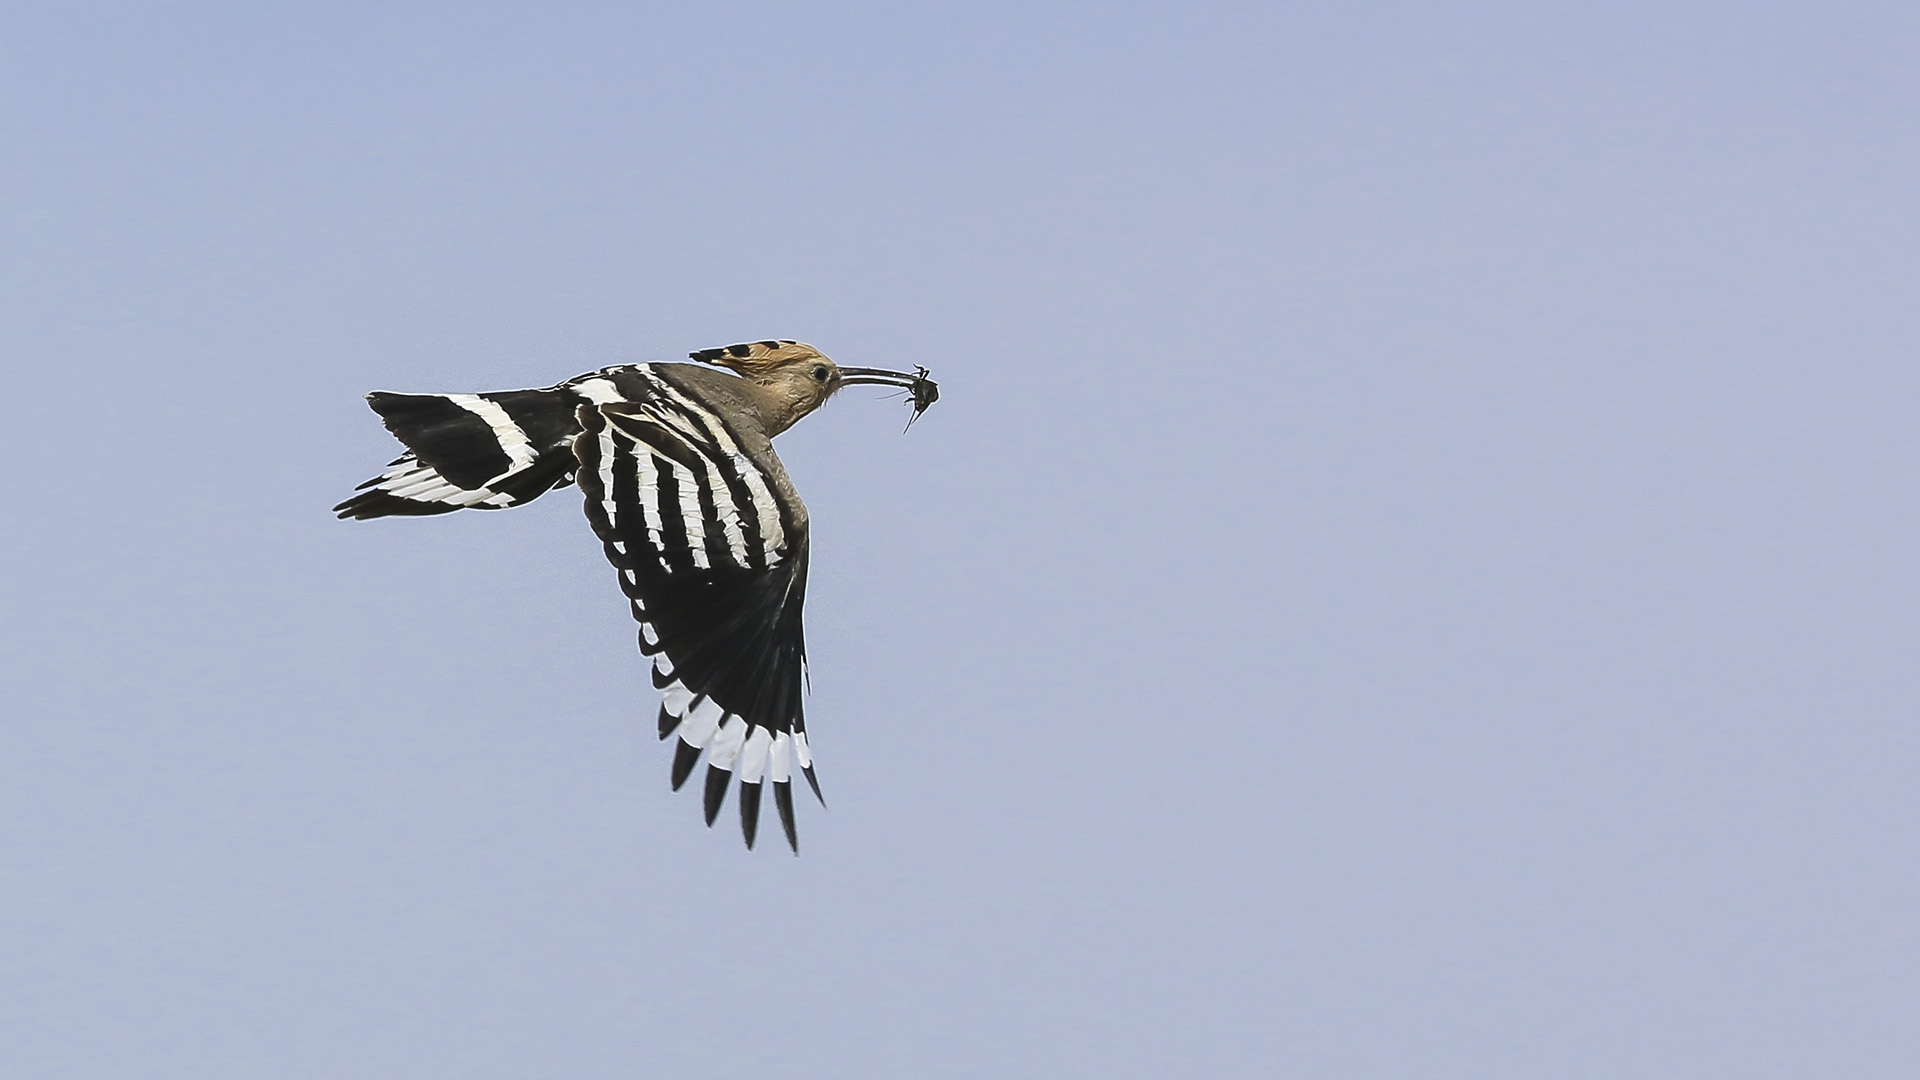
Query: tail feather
[[470, 451]]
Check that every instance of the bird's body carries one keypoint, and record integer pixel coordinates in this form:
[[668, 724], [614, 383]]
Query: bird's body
[[694, 510]]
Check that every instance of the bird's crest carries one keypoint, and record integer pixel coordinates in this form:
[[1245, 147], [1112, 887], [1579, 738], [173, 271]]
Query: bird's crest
[[758, 357]]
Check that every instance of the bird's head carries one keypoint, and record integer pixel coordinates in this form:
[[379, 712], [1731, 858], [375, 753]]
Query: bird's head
[[801, 378]]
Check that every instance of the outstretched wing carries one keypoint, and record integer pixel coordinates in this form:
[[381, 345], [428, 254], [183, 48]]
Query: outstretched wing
[[713, 556]]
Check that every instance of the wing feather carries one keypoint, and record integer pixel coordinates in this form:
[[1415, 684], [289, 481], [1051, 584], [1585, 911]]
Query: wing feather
[[716, 568]]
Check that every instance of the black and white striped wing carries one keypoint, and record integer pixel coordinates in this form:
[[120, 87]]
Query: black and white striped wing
[[714, 560]]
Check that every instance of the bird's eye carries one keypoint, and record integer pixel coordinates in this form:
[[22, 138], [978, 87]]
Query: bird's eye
[[820, 374]]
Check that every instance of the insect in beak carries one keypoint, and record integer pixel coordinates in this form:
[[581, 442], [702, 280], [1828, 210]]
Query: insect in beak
[[922, 390]]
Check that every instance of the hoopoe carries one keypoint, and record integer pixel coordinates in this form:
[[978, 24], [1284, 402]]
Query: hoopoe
[[695, 512]]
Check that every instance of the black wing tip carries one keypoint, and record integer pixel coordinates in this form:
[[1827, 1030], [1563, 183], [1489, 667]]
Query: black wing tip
[[684, 756], [716, 793], [750, 810], [814, 783], [668, 723], [783, 802]]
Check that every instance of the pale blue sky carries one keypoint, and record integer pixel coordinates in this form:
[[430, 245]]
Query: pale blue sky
[[1412, 574]]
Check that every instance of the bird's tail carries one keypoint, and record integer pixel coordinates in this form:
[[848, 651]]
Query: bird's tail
[[470, 451]]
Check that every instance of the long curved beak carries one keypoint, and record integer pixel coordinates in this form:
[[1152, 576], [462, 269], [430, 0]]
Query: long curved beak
[[873, 376], [923, 390]]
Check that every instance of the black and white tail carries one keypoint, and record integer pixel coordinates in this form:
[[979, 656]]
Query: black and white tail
[[470, 451]]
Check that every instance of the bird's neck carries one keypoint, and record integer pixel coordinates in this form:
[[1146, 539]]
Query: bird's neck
[[781, 406]]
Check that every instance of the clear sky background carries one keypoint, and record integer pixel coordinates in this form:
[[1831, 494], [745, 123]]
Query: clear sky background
[[1412, 574]]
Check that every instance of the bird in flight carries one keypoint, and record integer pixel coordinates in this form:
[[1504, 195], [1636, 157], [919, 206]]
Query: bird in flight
[[695, 512]]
